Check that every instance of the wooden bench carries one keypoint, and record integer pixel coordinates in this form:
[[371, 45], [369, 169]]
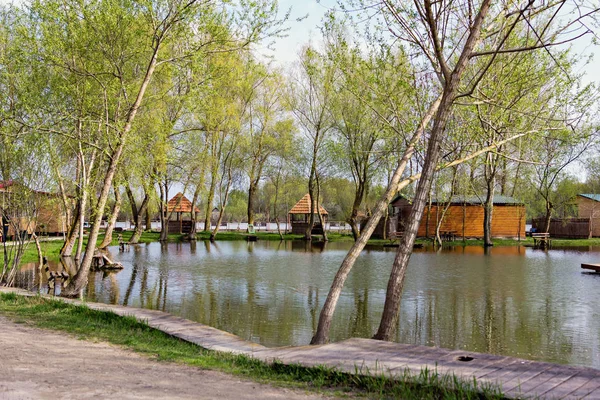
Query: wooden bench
[[448, 236], [593, 267], [541, 240], [393, 237]]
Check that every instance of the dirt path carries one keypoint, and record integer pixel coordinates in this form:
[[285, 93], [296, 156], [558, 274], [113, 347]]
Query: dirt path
[[40, 364]]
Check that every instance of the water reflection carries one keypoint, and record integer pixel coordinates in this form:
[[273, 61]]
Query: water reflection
[[505, 300]]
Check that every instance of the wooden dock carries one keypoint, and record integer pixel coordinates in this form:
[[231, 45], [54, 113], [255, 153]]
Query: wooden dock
[[593, 267], [517, 378]]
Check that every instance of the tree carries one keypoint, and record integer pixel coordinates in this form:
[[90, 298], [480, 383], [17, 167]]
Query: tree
[[450, 38], [268, 130], [311, 91]]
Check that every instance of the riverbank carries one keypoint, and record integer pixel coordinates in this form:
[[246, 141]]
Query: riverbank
[[129, 332], [51, 248], [352, 367]]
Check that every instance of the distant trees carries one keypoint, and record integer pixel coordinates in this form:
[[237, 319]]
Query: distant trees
[[93, 66]]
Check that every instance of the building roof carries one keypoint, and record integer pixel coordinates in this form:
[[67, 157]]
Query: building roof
[[477, 200], [303, 206], [5, 184], [591, 196], [184, 205]]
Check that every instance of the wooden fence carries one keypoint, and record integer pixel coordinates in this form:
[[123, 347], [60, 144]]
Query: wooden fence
[[572, 228]]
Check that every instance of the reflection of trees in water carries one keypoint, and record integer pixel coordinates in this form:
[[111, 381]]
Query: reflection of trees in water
[[459, 298], [493, 310], [313, 306]]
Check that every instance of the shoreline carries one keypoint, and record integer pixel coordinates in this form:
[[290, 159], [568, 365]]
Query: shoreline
[[515, 377]]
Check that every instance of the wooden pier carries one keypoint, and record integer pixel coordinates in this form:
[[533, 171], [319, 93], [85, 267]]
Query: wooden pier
[[101, 261], [593, 267]]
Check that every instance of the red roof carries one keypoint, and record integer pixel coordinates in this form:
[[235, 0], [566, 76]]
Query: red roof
[[183, 205], [303, 206], [5, 184]]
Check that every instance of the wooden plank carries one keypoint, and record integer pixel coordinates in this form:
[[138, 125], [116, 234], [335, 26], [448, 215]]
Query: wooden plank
[[514, 381], [567, 387], [593, 267], [588, 388]]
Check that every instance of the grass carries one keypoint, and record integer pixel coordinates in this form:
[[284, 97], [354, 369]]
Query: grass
[[85, 323]]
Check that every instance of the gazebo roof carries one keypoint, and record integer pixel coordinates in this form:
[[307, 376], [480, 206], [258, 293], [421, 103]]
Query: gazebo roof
[[303, 207], [185, 206]]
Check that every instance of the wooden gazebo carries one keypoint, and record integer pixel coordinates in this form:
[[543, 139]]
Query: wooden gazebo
[[180, 205], [299, 217]]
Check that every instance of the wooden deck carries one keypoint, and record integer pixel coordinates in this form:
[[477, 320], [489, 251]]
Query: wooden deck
[[593, 267], [518, 378]]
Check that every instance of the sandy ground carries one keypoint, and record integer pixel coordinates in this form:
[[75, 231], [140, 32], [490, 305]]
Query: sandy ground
[[40, 364]]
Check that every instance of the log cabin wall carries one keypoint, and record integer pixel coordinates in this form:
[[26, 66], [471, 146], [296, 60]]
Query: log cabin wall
[[588, 208], [507, 220]]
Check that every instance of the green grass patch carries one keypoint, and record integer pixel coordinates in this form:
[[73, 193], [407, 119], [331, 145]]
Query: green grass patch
[[89, 324]]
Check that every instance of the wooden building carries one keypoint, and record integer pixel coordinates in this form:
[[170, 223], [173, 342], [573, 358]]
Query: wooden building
[[588, 207], [464, 217], [182, 207], [299, 217], [30, 210]]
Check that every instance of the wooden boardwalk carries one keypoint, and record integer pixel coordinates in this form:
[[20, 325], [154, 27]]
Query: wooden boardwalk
[[593, 267], [516, 377]]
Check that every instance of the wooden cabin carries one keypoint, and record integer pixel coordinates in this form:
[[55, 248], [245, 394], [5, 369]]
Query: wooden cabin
[[45, 214], [464, 217], [299, 217], [588, 207], [182, 208]]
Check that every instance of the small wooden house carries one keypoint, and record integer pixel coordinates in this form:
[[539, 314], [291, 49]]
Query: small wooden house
[[38, 211], [464, 217], [299, 217], [588, 206], [180, 205]]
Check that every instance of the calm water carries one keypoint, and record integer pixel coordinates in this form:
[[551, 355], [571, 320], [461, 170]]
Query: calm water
[[512, 301]]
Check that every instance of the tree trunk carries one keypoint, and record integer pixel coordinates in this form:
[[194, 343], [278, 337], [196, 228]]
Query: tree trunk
[[321, 219], [209, 202], [311, 193], [487, 213], [251, 200], [132, 202], [391, 310], [67, 248], [358, 199], [137, 233], [148, 220], [112, 221], [164, 220], [549, 208], [488, 206], [65, 199], [213, 234], [79, 281], [80, 226], [322, 334], [192, 234]]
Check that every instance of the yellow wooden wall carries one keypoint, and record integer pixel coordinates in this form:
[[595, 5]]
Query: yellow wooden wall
[[588, 208], [507, 220]]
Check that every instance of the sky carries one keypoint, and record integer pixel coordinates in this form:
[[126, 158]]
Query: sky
[[300, 33]]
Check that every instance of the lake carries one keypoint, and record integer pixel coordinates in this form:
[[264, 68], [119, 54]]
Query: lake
[[513, 301]]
